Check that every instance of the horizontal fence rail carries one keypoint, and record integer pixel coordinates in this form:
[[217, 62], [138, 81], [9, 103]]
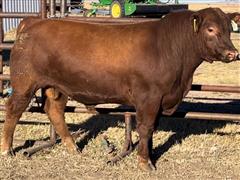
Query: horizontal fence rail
[[7, 46], [17, 15], [215, 88]]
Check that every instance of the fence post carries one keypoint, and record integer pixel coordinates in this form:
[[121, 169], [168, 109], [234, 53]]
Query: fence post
[[63, 7], [1, 51], [43, 9], [52, 8]]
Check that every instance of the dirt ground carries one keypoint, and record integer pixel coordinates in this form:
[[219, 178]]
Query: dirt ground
[[183, 149]]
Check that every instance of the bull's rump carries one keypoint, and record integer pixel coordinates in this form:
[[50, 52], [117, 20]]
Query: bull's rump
[[90, 62]]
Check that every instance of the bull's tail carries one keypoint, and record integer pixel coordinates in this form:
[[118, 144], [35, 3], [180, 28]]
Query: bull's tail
[[21, 33], [26, 23]]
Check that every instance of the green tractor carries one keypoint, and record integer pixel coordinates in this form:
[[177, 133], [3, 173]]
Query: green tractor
[[122, 8]]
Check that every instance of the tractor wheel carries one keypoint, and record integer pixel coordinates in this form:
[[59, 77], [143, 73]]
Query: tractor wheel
[[117, 9]]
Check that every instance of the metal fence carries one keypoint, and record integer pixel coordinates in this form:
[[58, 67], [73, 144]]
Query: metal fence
[[18, 6]]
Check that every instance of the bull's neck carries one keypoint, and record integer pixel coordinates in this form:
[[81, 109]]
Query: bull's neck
[[179, 41]]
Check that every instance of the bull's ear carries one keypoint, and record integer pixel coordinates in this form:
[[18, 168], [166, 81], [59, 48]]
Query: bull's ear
[[235, 17], [196, 21]]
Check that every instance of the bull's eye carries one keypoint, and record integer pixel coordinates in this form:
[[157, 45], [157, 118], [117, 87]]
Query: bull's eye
[[210, 30]]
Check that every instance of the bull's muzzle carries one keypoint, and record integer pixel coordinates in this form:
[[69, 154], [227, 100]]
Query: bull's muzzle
[[232, 55]]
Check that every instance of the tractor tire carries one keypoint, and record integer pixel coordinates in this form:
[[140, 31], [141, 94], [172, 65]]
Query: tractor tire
[[117, 9]]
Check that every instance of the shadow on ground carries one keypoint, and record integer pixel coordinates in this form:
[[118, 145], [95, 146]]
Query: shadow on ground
[[182, 128]]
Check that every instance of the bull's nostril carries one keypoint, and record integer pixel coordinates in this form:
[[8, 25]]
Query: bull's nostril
[[231, 55]]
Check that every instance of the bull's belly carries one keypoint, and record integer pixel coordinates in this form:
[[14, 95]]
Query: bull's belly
[[91, 93], [94, 99]]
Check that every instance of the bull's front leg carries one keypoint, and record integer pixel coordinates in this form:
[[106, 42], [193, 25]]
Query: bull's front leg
[[146, 116]]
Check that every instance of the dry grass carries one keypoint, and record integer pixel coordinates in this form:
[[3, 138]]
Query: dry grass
[[226, 7], [10, 35], [183, 149]]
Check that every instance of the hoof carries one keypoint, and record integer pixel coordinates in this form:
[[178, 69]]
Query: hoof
[[8, 153], [73, 150], [71, 146], [111, 163], [119, 157], [146, 165]]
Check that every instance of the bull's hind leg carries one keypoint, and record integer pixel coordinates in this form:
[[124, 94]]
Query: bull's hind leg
[[15, 106], [54, 107], [128, 144]]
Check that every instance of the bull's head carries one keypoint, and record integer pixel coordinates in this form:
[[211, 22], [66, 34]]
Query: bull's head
[[212, 28]]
